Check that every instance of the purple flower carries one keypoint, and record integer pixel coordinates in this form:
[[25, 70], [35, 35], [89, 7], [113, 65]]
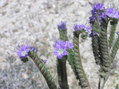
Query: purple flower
[[93, 11], [88, 30], [92, 19], [79, 27], [111, 12], [63, 44], [33, 49], [97, 13], [76, 27], [116, 14], [93, 34], [98, 6], [117, 33], [61, 48], [23, 51], [59, 44], [102, 15], [62, 26], [60, 53], [68, 45], [82, 27]]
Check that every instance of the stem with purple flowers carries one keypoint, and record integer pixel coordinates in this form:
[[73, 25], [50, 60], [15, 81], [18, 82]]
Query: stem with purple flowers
[[61, 63], [41, 66], [112, 32], [83, 81]]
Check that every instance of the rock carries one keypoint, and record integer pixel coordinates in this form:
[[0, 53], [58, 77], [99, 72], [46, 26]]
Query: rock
[[2, 59], [3, 3]]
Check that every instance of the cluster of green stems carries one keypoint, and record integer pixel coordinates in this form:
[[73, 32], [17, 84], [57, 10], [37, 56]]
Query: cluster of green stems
[[104, 49]]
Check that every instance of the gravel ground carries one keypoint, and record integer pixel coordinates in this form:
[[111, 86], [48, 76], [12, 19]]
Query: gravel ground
[[34, 22]]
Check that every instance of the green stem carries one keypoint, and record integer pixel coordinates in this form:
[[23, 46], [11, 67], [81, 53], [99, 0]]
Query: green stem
[[43, 70], [71, 60], [112, 32], [63, 36], [78, 63], [95, 47], [106, 60], [117, 86], [115, 49], [113, 53], [62, 75], [105, 56], [96, 42], [61, 65]]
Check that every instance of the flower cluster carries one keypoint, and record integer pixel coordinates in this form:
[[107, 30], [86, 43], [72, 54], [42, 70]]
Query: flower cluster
[[82, 27], [98, 6], [111, 12], [62, 25], [61, 48], [97, 13], [24, 50]]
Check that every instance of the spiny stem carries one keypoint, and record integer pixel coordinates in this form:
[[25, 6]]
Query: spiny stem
[[112, 32], [43, 70], [115, 49], [78, 64], [71, 58], [63, 35], [96, 42], [61, 65], [95, 47], [62, 75], [106, 59], [113, 53]]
